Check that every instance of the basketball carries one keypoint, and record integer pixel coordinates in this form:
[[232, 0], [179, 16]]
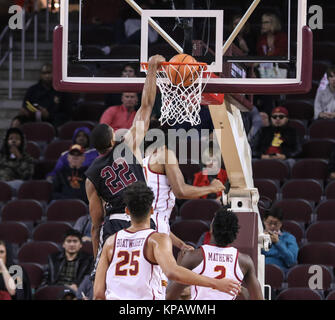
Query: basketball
[[184, 74]]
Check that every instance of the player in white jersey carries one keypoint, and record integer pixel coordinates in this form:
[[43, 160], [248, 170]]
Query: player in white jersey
[[219, 261], [132, 259], [164, 177]]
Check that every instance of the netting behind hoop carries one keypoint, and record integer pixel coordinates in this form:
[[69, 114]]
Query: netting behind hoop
[[181, 103]]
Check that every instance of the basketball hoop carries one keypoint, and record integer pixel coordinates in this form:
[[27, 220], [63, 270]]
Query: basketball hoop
[[181, 85]]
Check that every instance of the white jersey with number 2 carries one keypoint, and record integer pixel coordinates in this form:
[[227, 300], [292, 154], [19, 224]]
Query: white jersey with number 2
[[218, 262], [130, 276]]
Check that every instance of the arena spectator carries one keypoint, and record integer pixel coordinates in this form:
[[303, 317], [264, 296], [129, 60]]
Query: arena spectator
[[85, 290], [18, 121], [122, 116], [69, 266], [84, 225], [8, 285], [324, 104], [265, 119], [284, 248], [81, 136], [16, 165], [252, 121], [114, 99], [331, 165], [42, 103], [273, 41], [245, 40], [279, 140], [69, 182]]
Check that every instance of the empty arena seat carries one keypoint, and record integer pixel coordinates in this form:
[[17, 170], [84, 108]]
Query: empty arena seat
[[35, 273], [295, 229], [27, 210], [66, 210], [65, 132], [267, 187], [199, 209], [330, 190], [300, 109], [318, 148], [270, 169], [6, 192], [33, 149], [54, 150], [317, 253], [322, 128], [39, 131], [40, 190], [325, 211], [14, 231], [299, 125], [37, 251], [51, 231], [49, 292], [310, 169], [274, 276], [299, 210], [308, 189], [300, 275], [189, 230], [299, 294], [321, 231]]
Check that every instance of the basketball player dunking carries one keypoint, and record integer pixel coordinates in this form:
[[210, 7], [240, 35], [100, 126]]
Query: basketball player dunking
[[132, 259], [112, 172], [220, 261]]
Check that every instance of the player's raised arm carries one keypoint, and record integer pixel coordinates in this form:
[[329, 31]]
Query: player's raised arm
[[96, 212], [160, 250], [141, 122], [181, 189]]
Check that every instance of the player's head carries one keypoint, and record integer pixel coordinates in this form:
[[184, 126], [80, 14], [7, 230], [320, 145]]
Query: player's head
[[138, 198], [102, 137], [224, 227]]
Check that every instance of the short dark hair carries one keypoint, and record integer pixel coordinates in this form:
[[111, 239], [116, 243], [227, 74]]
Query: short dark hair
[[138, 198], [72, 233], [275, 212], [101, 137], [225, 226]]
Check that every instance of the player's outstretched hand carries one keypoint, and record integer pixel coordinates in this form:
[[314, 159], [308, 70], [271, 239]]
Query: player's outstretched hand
[[156, 60], [217, 186], [229, 286]]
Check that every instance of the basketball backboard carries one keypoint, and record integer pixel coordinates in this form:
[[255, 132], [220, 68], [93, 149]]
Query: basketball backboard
[[95, 40]]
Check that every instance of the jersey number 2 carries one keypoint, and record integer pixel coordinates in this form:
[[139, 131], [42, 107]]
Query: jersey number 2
[[118, 181], [126, 259], [222, 271]]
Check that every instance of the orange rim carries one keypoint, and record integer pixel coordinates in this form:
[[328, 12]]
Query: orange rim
[[203, 64]]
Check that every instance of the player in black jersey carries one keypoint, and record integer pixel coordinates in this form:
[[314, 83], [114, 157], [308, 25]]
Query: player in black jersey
[[118, 166]]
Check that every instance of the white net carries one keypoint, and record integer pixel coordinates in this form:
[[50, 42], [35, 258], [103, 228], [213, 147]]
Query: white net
[[181, 102]]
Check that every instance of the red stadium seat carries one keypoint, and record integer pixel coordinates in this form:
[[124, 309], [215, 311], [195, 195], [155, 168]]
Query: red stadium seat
[[6, 192], [14, 232], [270, 169], [51, 231], [294, 228], [65, 132], [299, 210], [40, 190], [37, 251], [299, 294], [308, 189], [189, 230], [39, 131], [322, 128], [49, 292], [318, 148], [267, 188], [54, 150], [35, 273], [199, 209], [330, 190], [66, 210], [331, 295], [300, 275], [299, 125], [33, 149], [325, 211], [317, 253], [299, 109], [274, 276], [321, 231], [310, 169]]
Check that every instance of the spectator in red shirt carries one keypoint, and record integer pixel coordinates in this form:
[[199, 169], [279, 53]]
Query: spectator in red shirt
[[119, 117], [272, 42]]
